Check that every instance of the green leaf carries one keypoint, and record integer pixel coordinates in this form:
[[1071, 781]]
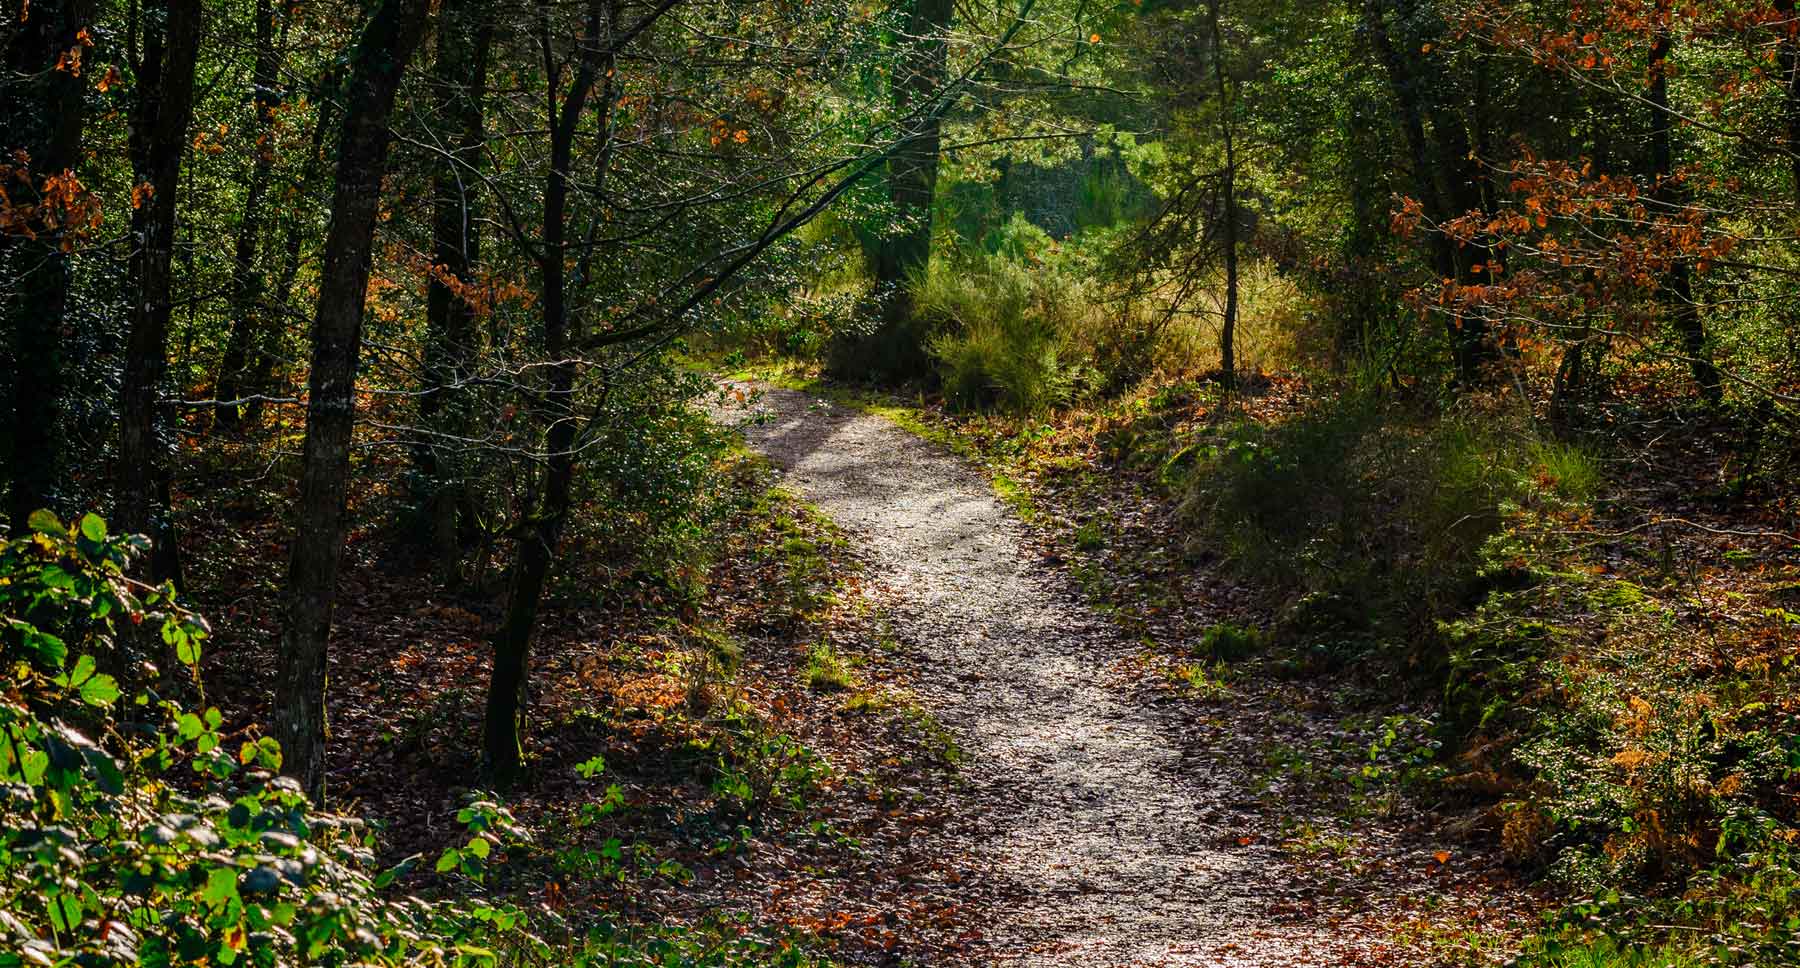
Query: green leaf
[[480, 847], [592, 768], [102, 690], [111, 778], [33, 766], [448, 860], [92, 528], [188, 726], [44, 522], [269, 753], [49, 648], [221, 887], [65, 912]]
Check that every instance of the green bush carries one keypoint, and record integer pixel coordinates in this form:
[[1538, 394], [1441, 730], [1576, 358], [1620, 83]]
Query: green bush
[[131, 834], [1002, 334], [1372, 518], [108, 855]]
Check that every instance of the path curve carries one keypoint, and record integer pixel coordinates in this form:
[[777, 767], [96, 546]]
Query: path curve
[[1108, 846]]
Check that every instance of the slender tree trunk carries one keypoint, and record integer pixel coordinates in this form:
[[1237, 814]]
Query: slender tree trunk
[[542, 531], [388, 41], [1678, 287], [1445, 151], [41, 115], [1228, 236], [159, 123], [465, 34], [247, 281], [895, 349], [273, 312]]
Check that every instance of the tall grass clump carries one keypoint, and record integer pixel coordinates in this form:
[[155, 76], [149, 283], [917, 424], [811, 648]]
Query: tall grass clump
[[1002, 333]]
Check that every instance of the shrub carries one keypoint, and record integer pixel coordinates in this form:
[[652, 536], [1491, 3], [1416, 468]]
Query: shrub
[[1002, 334], [108, 856], [131, 834], [1371, 517]]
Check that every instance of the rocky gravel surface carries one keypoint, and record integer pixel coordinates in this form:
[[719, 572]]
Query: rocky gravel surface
[[1096, 830]]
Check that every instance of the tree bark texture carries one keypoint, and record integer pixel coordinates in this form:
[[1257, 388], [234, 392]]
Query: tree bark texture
[[162, 110], [392, 35]]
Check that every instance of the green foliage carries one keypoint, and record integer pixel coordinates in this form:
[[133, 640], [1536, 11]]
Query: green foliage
[[109, 856], [1374, 518], [1002, 334], [760, 769], [652, 493], [132, 833], [1226, 642], [826, 670]]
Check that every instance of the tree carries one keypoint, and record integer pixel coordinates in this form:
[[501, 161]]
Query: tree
[[164, 105], [248, 282], [902, 251], [1228, 216], [1441, 151], [1678, 281], [44, 214], [464, 39], [387, 43], [541, 532]]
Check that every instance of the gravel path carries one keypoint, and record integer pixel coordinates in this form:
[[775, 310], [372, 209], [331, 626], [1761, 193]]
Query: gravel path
[[1105, 844]]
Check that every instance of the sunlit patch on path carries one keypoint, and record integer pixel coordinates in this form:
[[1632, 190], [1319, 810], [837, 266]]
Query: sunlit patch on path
[[1092, 837]]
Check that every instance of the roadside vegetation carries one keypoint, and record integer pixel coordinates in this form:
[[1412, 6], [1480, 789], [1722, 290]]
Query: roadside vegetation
[[1551, 594], [376, 587]]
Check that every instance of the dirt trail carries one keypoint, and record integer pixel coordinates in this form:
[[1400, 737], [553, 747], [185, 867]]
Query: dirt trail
[[1104, 843]]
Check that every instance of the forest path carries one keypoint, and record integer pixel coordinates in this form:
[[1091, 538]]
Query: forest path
[[1096, 839]]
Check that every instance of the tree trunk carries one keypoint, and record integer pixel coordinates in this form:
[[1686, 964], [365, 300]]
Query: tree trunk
[[247, 282], [264, 340], [41, 114], [1677, 286], [160, 115], [1228, 237], [895, 350], [506, 700], [387, 44], [1446, 153], [465, 34]]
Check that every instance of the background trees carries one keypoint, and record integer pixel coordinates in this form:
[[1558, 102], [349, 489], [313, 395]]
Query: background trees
[[434, 282]]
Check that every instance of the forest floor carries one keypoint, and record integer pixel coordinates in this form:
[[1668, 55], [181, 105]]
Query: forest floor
[[1111, 813]]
